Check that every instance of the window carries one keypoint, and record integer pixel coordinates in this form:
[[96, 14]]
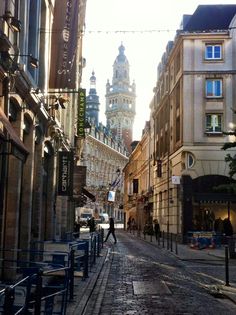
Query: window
[[177, 129], [213, 52], [214, 123], [190, 160], [213, 88]]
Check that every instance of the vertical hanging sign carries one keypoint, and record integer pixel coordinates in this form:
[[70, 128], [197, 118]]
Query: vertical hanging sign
[[65, 173], [81, 113], [64, 44]]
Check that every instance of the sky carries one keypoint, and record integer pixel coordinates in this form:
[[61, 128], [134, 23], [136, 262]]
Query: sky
[[144, 28]]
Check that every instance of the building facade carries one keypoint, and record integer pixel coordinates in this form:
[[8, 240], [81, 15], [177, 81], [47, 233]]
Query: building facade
[[138, 185], [104, 157], [191, 109], [38, 106]]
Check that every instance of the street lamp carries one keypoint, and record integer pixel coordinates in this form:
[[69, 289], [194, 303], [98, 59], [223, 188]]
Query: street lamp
[[12, 21], [6, 56]]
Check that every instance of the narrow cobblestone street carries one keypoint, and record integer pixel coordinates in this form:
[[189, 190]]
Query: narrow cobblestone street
[[140, 278]]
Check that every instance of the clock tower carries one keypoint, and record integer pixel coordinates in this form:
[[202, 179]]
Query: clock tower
[[120, 101]]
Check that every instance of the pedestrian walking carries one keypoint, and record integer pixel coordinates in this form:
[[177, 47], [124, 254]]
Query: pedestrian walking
[[129, 225], [156, 229], [111, 230]]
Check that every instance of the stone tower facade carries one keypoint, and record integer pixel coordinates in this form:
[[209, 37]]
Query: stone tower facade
[[92, 102], [120, 101]]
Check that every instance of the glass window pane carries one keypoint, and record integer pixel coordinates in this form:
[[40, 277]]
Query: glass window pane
[[218, 88], [208, 123], [209, 52], [209, 88], [217, 52]]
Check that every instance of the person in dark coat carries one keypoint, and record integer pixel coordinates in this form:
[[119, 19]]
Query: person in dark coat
[[156, 229], [129, 225], [111, 230]]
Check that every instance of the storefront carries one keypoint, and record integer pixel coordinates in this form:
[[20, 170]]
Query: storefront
[[204, 206]]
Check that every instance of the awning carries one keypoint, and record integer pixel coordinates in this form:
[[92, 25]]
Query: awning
[[88, 194], [14, 138]]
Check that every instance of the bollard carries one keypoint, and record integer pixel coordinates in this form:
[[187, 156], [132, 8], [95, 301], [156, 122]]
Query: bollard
[[72, 266], [159, 240], [176, 244], [86, 262], [102, 236], [98, 245], [38, 293], [171, 242], [168, 240], [163, 239], [139, 233], [94, 249], [226, 265]]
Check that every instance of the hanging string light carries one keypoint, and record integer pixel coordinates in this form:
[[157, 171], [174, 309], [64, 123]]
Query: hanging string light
[[128, 31]]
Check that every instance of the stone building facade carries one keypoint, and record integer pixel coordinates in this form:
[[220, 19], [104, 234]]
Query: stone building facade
[[104, 156], [104, 159], [138, 185], [36, 115], [190, 110]]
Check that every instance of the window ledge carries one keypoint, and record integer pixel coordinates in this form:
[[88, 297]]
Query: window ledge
[[213, 98], [211, 60], [212, 133]]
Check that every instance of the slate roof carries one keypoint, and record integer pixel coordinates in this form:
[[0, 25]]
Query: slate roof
[[211, 17]]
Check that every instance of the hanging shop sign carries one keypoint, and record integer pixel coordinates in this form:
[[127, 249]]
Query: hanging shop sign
[[79, 177], [65, 173], [81, 113], [64, 44]]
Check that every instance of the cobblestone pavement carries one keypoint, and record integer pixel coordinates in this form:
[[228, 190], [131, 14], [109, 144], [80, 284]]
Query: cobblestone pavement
[[140, 278]]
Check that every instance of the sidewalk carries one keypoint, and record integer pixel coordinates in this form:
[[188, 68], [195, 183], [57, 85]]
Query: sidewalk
[[215, 256], [185, 252], [84, 288]]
